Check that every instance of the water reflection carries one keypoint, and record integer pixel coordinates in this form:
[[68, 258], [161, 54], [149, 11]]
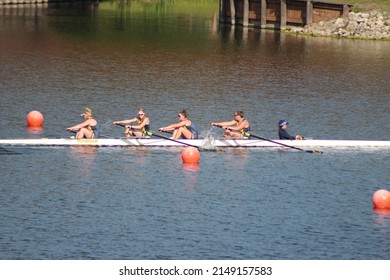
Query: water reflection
[[382, 220], [84, 158], [4, 151], [383, 211], [191, 167], [34, 130]]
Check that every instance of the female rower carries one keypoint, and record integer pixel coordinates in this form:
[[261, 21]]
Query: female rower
[[238, 127], [87, 129], [183, 129], [283, 133], [142, 128]]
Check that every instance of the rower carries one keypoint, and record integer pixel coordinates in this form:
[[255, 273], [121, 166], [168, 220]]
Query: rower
[[142, 127], [239, 127], [88, 129], [185, 128], [283, 133]]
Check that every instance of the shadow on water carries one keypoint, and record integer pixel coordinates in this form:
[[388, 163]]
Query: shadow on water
[[9, 151]]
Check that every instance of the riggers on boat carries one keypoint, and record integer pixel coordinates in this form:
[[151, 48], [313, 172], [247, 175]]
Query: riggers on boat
[[216, 143]]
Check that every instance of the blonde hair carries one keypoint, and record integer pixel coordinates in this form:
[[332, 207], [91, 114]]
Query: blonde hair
[[88, 112]]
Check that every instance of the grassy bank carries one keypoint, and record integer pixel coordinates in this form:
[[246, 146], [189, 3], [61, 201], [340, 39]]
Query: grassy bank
[[366, 5]]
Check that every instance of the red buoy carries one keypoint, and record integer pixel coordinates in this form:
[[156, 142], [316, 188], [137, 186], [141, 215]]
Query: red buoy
[[190, 155], [381, 199], [34, 119]]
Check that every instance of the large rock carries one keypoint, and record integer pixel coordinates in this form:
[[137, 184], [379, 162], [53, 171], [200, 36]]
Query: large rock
[[371, 25]]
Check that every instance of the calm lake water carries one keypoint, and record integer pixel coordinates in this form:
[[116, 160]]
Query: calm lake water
[[134, 203]]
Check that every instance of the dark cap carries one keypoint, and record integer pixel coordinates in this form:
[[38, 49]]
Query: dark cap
[[283, 122]]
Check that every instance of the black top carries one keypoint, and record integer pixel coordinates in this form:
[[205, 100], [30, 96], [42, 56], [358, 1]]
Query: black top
[[284, 135]]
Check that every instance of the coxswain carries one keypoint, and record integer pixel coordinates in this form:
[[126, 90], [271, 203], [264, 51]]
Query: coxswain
[[283, 133]]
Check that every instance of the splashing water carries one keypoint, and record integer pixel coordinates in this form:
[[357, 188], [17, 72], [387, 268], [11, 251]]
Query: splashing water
[[209, 139]]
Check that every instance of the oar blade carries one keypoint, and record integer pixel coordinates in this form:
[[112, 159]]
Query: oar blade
[[211, 150], [314, 152]]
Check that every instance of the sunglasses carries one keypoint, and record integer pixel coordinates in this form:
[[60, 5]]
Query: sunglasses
[[139, 115]]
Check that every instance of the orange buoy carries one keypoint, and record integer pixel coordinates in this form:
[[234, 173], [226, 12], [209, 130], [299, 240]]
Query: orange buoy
[[381, 199], [190, 155], [34, 119]]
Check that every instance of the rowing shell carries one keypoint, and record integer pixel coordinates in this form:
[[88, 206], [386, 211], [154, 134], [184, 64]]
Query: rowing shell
[[218, 143]]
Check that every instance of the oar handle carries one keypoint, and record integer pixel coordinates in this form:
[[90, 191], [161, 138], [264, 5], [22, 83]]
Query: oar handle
[[120, 124], [226, 128], [167, 132], [217, 125]]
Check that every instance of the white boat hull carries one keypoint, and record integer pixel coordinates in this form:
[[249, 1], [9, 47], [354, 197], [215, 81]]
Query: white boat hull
[[217, 143]]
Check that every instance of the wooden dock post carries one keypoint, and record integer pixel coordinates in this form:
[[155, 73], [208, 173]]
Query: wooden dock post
[[345, 10], [263, 23], [222, 11], [245, 18], [232, 13], [309, 12], [283, 14]]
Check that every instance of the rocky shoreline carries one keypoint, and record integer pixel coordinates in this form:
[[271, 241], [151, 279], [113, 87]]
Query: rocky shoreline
[[372, 25]]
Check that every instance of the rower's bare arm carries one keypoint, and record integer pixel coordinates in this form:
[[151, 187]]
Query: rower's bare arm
[[166, 128], [125, 121], [223, 124], [81, 125], [175, 126]]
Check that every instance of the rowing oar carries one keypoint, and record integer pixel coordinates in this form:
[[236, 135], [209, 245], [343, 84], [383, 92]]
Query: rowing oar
[[101, 135], [73, 131], [183, 143], [149, 133], [249, 134]]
